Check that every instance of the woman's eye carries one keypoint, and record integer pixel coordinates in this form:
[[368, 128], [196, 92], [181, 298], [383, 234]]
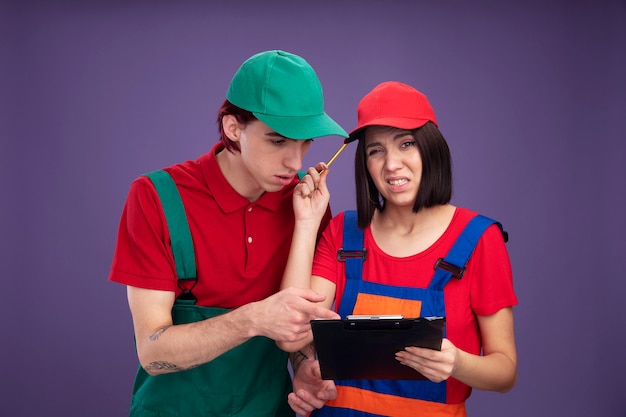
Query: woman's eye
[[373, 152], [408, 143]]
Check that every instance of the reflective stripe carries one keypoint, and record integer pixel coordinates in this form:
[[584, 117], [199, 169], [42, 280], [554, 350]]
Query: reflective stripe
[[391, 405], [381, 304]]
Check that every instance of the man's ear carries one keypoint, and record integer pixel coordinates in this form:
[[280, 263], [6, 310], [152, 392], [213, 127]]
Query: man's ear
[[232, 128]]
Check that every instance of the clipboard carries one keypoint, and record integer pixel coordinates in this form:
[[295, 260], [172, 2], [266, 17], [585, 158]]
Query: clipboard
[[364, 347]]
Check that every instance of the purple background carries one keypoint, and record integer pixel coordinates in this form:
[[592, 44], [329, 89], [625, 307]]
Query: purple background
[[531, 96]]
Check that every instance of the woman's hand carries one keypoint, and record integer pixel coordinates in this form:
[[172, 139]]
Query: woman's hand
[[310, 391], [311, 195], [494, 370], [435, 365]]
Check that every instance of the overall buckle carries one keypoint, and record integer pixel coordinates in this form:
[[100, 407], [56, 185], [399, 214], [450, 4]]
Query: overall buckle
[[186, 294], [342, 255], [453, 269]]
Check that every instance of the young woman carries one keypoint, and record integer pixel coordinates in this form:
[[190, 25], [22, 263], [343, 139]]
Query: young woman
[[404, 186]]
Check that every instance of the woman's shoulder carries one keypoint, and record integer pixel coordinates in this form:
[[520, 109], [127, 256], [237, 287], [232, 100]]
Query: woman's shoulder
[[462, 218], [338, 218], [334, 230], [463, 215]]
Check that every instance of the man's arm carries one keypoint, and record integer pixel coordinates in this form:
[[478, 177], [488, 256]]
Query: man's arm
[[163, 347]]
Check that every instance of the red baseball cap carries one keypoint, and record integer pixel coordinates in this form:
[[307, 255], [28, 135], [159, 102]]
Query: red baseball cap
[[393, 104]]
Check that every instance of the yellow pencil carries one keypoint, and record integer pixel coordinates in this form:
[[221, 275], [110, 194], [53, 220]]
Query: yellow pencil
[[330, 161]]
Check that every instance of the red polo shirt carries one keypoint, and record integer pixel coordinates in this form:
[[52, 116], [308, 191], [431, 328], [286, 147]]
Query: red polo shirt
[[241, 248]]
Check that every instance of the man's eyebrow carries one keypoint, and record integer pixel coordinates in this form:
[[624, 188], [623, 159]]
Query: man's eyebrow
[[275, 135]]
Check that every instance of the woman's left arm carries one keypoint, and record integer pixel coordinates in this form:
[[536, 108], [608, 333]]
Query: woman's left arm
[[494, 370]]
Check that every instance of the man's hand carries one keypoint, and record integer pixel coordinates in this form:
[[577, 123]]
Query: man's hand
[[310, 390], [286, 315]]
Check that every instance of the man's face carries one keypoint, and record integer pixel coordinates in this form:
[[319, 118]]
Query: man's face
[[272, 160]]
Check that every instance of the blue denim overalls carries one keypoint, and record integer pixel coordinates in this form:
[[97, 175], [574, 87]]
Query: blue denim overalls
[[414, 398]]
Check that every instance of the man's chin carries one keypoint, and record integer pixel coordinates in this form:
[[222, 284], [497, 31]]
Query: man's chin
[[272, 188]]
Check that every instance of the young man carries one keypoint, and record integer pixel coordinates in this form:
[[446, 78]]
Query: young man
[[202, 248]]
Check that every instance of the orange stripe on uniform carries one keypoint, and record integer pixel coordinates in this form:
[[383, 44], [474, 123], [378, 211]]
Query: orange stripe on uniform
[[390, 405], [380, 304]]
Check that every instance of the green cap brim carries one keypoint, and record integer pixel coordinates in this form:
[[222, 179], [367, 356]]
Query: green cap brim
[[303, 127]]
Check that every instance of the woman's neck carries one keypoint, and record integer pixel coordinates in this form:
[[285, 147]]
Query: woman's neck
[[400, 232]]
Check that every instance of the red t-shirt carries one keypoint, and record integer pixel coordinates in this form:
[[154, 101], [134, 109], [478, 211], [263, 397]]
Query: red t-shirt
[[241, 247], [486, 286]]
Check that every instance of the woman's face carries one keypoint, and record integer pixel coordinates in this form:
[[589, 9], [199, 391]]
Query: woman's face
[[394, 163]]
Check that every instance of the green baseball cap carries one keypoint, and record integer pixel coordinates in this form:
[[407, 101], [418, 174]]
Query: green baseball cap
[[282, 90]]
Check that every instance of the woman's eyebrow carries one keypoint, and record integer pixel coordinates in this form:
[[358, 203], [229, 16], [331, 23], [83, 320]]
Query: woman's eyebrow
[[402, 134], [397, 136]]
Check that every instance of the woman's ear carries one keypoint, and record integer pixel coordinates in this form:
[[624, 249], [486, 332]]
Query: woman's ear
[[232, 128]]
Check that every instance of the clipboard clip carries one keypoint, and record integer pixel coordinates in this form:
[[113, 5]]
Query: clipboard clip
[[378, 324], [342, 254], [453, 269]]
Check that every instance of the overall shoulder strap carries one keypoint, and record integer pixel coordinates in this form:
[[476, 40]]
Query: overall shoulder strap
[[352, 253], [182, 244], [453, 265]]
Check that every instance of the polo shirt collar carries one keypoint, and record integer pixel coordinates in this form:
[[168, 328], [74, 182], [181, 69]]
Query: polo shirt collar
[[225, 195]]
